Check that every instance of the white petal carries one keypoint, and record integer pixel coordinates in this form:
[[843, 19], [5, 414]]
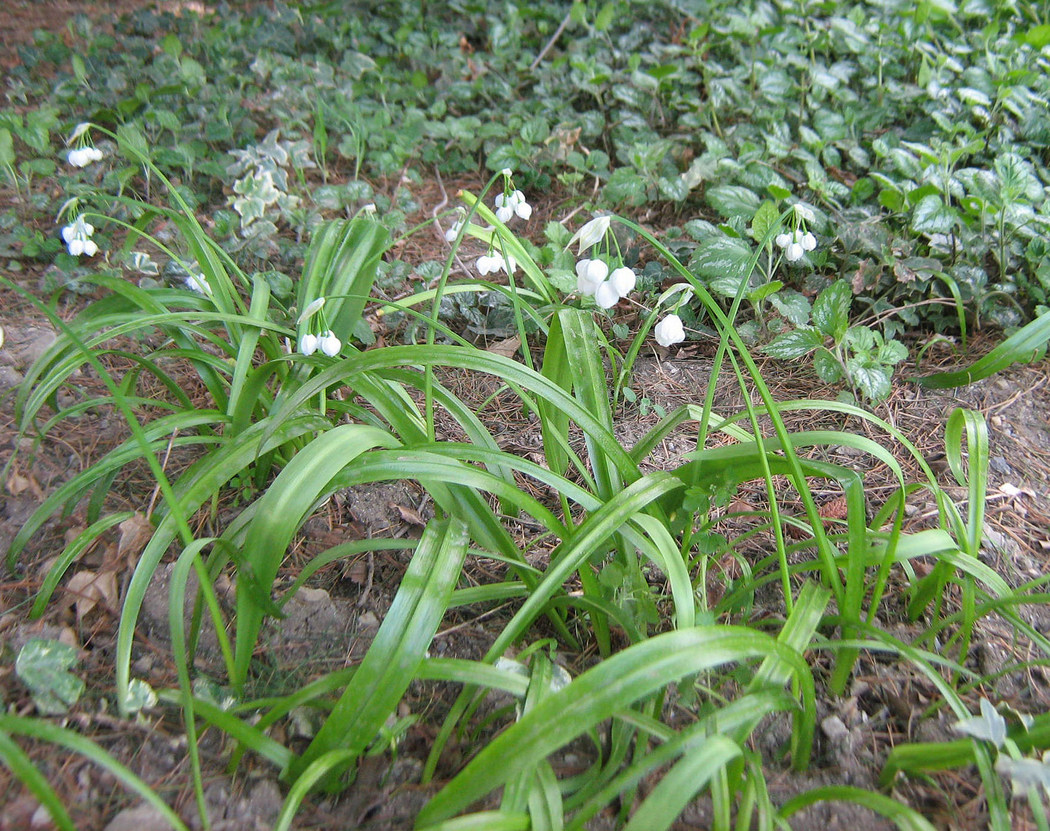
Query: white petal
[[809, 242], [504, 214], [523, 210], [507, 171], [597, 271], [804, 212], [76, 246], [669, 331], [487, 265], [606, 296], [90, 248], [330, 344], [509, 264], [591, 233], [794, 252], [308, 344], [76, 158], [500, 200], [623, 280], [313, 308], [783, 239], [69, 233]]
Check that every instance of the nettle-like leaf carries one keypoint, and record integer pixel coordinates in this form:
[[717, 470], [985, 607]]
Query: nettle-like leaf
[[733, 200], [989, 726], [793, 305], [932, 216], [827, 367], [43, 666], [831, 310], [722, 261], [891, 352], [766, 219], [794, 344], [872, 380]]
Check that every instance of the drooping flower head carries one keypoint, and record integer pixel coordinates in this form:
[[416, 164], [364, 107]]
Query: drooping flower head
[[593, 274], [84, 153], [77, 236], [511, 202], [669, 331]]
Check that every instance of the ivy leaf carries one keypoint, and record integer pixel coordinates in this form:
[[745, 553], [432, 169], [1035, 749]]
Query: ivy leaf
[[932, 216], [43, 666], [831, 310], [989, 726], [794, 344]]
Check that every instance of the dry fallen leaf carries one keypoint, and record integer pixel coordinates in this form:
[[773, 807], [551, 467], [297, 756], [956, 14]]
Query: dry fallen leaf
[[16, 484], [507, 348], [90, 588], [135, 532], [410, 515]]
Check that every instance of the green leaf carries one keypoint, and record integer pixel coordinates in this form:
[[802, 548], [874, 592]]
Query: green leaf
[[7, 148], [831, 310], [827, 366], [793, 305], [932, 216], [724, 262], [43, 666], [733, 201], [873, 381], [765, 220], [794, 344]]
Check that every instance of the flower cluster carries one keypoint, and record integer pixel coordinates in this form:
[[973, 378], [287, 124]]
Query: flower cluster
[[593, 275], [796, 244], [318, 339], [83, 156], [511, 202], [77, 236], [594, 280], [327, 342], [800, 240], [495, 262]]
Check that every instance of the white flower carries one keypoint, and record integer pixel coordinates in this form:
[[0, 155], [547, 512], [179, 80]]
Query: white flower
[[83, 156], [308, 344], [198, 283], [589, 275], [794, 252], [77, 236], [606, 295], [796, 244], [808, 241], [804, 212], [512, 204], [507, 172], [623, 280], [669, 331], [492, 263], [591, 233], [504, 213], [453, 232], [783, 240], [329, 344]]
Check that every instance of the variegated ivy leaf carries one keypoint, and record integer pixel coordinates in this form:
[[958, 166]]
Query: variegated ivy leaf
[[43, 666]]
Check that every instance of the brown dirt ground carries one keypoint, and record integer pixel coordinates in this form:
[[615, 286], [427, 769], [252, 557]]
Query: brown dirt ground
[[334, 621]]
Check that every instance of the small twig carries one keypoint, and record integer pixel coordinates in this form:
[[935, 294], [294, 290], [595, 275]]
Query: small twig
[[163, 467], [368, 580], [554, 39]]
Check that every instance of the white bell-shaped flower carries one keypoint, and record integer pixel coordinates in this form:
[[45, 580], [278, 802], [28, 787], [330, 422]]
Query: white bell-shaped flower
[[606, 295], [329, 344], [623, 280], [77, 236], [808, 241], [589, 275], [308, 344], [669, 331]]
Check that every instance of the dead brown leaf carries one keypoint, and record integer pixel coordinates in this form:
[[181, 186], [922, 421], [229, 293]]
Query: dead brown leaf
[[90, 588], [135, 532]]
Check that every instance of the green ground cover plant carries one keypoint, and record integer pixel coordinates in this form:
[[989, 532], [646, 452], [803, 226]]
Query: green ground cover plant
[[235, 192]]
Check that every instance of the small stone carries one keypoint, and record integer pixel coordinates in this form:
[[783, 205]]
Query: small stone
[[138, 818], [9, 378], [835, 729]]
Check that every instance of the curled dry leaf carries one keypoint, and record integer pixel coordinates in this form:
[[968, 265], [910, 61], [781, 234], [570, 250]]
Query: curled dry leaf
[[135, 532], [88, 588]]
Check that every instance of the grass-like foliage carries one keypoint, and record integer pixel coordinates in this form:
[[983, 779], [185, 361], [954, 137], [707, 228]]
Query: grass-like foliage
[[279, 425], [253, 401]]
